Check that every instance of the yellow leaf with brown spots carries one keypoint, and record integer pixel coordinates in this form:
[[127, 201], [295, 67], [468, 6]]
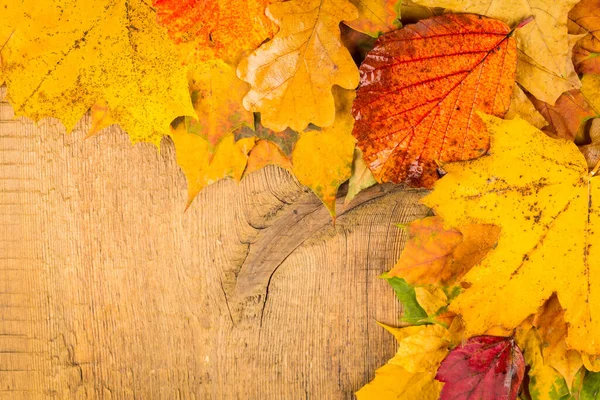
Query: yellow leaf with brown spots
[[63, 56], [539, 192]]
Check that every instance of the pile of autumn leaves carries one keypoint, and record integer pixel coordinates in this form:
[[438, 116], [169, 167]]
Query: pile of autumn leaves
[[502, 287]]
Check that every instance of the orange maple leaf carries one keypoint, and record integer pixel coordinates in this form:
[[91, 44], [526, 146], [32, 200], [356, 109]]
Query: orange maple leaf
[[420, 87], [225, 29]]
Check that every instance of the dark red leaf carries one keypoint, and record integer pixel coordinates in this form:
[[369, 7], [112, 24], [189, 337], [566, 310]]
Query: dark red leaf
[[484, 368]]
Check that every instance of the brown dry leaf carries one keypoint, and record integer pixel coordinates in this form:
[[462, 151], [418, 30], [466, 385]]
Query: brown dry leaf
[[419, 88], [584, 18], [545, 68], [292, 76], [436, 254], [567, 118], [285, 140]]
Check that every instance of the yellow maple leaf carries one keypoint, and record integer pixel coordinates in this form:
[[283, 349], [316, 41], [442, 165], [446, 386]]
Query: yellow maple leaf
[[291, 76], [411, 373], [266, 153], [539, 192], [545, 68], [322, 160], [200, 169], [217, 97], [63, 56]]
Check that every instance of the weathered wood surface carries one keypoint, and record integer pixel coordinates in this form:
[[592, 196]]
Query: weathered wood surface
[[110, 290]]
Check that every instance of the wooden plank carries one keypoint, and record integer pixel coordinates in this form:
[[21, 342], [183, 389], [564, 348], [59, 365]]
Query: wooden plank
[[108, 289]]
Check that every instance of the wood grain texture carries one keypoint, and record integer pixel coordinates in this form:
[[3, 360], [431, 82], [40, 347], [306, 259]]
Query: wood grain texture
[[109, 290]]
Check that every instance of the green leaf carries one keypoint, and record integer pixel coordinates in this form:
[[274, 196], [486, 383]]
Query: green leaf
[[413, 312]]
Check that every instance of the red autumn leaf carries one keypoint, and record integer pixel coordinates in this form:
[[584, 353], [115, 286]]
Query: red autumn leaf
[[484, 368], [420, 87]]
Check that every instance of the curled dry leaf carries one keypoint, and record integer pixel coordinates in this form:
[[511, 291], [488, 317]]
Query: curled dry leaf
[[437, 254], [545, 68], [419, 87], [539, 192], [485, 367], [208, 29], [61, 57], [292, 76], [591, 151]]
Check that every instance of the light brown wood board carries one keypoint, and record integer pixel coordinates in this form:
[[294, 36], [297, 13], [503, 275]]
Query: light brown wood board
[[110, 290]]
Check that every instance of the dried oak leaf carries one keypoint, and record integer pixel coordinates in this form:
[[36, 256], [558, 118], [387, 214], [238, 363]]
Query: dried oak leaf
[[419, 88], [539, 192], [376, 16], [63, 56], [292, 75], [437, 254], [485, 367], [584, 18], [545, 68], [207, 29]]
